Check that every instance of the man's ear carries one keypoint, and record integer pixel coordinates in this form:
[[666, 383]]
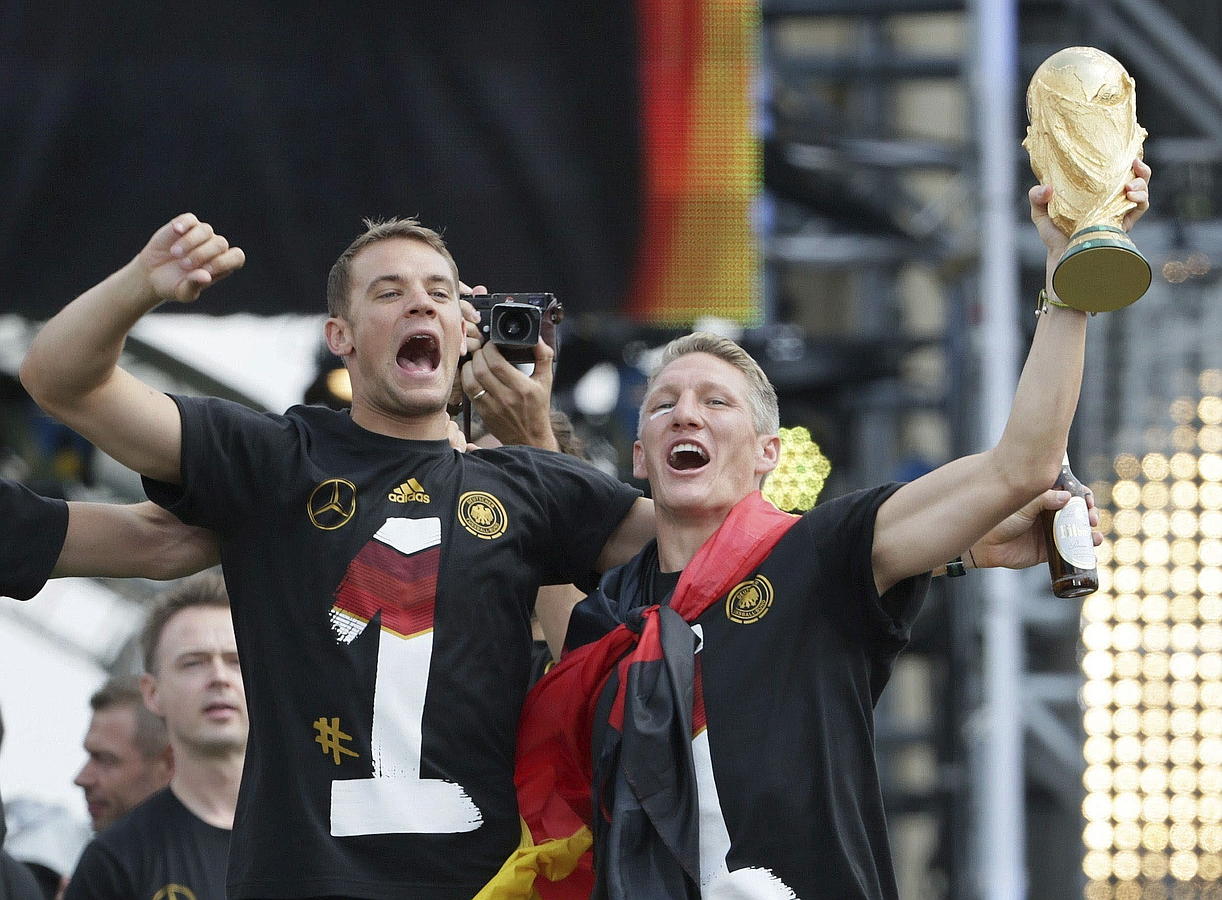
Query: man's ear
[[339, 336], [769, 454], [638, 460], [166, 759], [148, 690]]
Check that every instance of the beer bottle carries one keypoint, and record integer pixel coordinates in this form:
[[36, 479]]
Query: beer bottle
[[1067, 535]]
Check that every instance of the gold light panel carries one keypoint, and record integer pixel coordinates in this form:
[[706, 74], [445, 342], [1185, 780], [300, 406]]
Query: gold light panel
[[1152, 640], [801, 470]]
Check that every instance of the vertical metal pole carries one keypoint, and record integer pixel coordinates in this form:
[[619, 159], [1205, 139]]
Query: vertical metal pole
[[999, 776]]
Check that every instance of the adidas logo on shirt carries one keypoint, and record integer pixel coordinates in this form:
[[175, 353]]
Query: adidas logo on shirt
[[409, 491]]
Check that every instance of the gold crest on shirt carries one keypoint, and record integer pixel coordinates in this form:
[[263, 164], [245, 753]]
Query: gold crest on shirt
[[749, 601], [482, 515]]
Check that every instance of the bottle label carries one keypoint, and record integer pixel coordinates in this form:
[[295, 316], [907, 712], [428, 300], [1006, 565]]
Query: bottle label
[[1071, 533]]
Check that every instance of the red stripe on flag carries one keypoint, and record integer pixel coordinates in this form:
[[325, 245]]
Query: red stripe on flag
[[668, 33], [647, 650], [699, 720], [402, 588]]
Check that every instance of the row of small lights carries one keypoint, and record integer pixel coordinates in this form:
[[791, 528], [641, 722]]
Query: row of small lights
[[1152, 699]]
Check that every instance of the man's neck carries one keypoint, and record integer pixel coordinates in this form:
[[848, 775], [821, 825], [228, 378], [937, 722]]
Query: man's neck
[[432, 426], [208, 785], [679, 537]]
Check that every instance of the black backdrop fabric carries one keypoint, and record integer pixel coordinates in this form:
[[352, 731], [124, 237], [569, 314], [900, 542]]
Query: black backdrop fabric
[[511, 125]]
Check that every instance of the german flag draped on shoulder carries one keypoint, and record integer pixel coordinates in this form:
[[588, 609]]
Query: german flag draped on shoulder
[[617, 714]]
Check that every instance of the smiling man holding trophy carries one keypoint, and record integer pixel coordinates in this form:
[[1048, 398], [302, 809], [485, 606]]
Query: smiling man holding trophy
[[1083, 139]]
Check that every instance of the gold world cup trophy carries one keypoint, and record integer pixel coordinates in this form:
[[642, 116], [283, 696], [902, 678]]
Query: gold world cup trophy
[[1082, 140]]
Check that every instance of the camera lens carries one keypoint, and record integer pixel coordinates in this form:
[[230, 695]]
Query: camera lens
[[515, 325]]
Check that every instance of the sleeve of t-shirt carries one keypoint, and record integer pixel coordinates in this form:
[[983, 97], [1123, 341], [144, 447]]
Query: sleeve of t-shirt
[[34, 536], [228, 454], [99, 876], [582, 506], [842, 531]]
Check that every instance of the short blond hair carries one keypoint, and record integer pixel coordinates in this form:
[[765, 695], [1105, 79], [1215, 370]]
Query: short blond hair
[[339, 281], [761, 395]]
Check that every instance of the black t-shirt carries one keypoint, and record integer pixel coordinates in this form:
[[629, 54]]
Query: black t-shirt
[[34, 529], [790, 665], [158, 851], [17, 881], [380, 759]]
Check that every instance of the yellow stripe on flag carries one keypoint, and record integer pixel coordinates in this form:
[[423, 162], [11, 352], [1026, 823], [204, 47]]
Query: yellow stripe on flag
[[553, 859]]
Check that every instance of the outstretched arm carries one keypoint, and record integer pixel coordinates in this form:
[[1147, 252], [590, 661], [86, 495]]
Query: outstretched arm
[[137, 541], [930, 520], [1018, 542], [72, 369]]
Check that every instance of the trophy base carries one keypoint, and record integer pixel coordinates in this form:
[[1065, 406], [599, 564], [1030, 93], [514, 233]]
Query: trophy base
[[1101, 271]]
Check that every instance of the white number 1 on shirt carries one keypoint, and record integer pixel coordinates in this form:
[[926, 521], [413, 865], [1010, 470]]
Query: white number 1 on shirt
[[397, 800]]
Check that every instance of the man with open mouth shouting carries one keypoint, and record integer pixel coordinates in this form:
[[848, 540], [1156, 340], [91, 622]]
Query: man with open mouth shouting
[[381, 582], [717, 734]]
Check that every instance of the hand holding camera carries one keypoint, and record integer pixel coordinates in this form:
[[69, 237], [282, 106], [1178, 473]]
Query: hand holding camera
[[516, 322], [516, 328]]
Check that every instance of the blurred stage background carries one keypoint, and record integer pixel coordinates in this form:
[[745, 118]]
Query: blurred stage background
[[812, 173]]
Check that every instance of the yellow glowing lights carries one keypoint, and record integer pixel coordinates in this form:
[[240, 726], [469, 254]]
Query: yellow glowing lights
[[1126, 494], [1210, 523], [1209, 410], [799, 476], [1155, 495], [1155, 466], [1152, 640], [1183, 466], [1127, 466], [1155, 524], [1210, 467], [1156, 551], [1182, 410], [1126, 551], [1184, 437], [1127, 522]]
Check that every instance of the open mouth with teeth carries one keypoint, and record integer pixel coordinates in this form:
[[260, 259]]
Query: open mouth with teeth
[[687, 456], [419, 353]]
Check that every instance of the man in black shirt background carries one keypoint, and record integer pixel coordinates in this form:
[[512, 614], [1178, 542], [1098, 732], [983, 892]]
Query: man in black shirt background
[[129, 752], [180, 835]]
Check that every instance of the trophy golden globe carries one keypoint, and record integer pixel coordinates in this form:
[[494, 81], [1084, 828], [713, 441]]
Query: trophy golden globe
[[1082, 140]]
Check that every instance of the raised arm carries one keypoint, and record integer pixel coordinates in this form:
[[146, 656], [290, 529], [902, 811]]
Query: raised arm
[[137, 541], [937, 516], [72, 369]]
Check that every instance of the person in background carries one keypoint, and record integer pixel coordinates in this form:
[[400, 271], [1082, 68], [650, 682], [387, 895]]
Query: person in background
[[129, 752], [176, 843]]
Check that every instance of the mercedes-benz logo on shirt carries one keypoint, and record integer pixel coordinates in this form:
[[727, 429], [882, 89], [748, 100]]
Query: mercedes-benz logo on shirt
[[332, 504], [175, 892]]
